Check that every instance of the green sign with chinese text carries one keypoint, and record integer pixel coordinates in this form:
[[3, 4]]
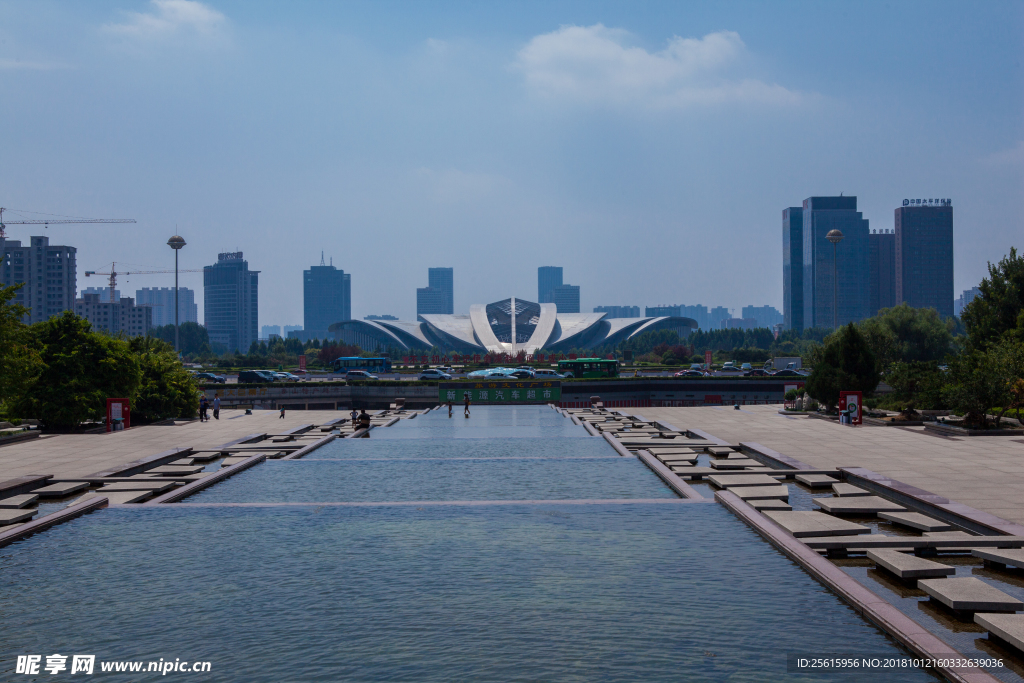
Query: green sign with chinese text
[[500, 392]]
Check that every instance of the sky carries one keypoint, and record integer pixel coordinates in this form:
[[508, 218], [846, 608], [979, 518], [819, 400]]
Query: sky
[[649, 148]]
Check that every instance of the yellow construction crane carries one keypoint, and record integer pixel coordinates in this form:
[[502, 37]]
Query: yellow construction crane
[[112, 275], [46, 222]]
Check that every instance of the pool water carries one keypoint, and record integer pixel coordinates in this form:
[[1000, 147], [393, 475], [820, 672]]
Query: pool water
[[283, 573]]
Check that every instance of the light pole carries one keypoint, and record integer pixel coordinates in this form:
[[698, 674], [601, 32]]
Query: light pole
[[176, 243], [835, 237]]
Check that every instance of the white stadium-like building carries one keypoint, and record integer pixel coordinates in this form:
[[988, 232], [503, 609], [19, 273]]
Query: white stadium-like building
[[507, 326]]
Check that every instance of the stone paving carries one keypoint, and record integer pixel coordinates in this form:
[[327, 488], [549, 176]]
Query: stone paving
[[986, 473], [76, 455]]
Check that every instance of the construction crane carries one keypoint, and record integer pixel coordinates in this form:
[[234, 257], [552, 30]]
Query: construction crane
[[55, 221], [112, 275]]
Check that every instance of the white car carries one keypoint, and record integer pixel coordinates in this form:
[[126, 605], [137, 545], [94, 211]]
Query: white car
[[547, 374], [434, 373]]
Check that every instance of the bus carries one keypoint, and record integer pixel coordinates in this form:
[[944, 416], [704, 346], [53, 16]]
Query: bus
[[347, 363], [589, 367]]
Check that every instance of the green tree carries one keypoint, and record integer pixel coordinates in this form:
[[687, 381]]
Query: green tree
[[998, 311], [80, 370], [845, 363], [909, 335], [917, 384], [166, 388], [193, 339], [975, 384], [19, 360]]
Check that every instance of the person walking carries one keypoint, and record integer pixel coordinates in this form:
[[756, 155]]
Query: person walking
[[202, 409], [216, 407], [282, 413], [354, 415], [465, 397], [449, 408]]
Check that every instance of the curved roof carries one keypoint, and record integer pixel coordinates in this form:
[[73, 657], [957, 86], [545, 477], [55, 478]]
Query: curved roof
[[487, 327]]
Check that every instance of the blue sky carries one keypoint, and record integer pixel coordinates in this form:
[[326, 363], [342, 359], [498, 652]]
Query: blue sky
[[648, 148]]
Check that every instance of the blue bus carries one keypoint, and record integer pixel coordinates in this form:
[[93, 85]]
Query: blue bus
[[347, 363]]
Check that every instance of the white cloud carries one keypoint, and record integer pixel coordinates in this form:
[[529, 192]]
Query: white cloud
[[596, 64], [169, 17]]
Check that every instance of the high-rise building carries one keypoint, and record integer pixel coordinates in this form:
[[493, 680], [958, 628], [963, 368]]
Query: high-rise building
[[618, 311], [967, 297], [739, 324], [49, 274], [231, 302], [763, 316], [386, 316], [103, 293], [548, 277], [326, 298], [924, 254], [566, 298], [268, 331], [793, 268], [124, 316], [669, 310], [716, 315], [288, 329], [161, 300], [882, 244], [438, 297], [852, 261]]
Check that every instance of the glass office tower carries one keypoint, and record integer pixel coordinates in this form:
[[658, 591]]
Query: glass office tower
[[793, 268], [853, 294], [924, 255]]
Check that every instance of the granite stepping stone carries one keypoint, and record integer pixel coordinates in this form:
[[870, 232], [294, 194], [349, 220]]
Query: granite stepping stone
[[970, 594], [1007, 627], [857, 505], [803, 524], [1006, 558], [734, 463], [729, 481], [770, 504], [14, 516], [778, 491], [816, 481], [17, 502], [915, 520], [61, 490], [909, 566], [849, 490]]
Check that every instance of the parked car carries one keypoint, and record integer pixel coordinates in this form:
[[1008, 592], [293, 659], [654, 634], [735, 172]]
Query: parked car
[[699, 367], [523, 373], [434, 373], [547, 374], [730, 371], [287, 377], [745, 366], [210, 377], [359, 375], [787, 373], [758, 372], [689, 373], [256, 376], [488, 372]]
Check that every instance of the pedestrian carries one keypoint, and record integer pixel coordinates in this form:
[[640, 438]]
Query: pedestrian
[[465, 396], [449, 408], [202, 409], [282, 412], [364, 420], [216, 407], [354, 415]]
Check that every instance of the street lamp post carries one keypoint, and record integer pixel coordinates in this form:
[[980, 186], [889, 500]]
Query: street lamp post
[[176, 243], [835, 237]]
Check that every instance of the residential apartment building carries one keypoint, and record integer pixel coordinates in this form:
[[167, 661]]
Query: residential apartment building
[[48, 271], [117, 318]]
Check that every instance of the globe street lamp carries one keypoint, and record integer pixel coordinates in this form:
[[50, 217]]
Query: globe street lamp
[[835, 237], [176, 243]]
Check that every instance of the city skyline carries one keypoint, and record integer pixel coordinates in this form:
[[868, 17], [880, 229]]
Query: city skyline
[[693, 164]]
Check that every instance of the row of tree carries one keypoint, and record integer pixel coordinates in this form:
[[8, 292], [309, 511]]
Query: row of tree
[[924, 360], [61, 371]]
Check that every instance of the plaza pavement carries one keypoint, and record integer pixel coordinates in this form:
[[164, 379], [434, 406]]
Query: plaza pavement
[[76, 455], [986, 473]]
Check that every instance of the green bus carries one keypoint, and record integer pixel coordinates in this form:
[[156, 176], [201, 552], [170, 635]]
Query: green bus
[[589, 367]]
